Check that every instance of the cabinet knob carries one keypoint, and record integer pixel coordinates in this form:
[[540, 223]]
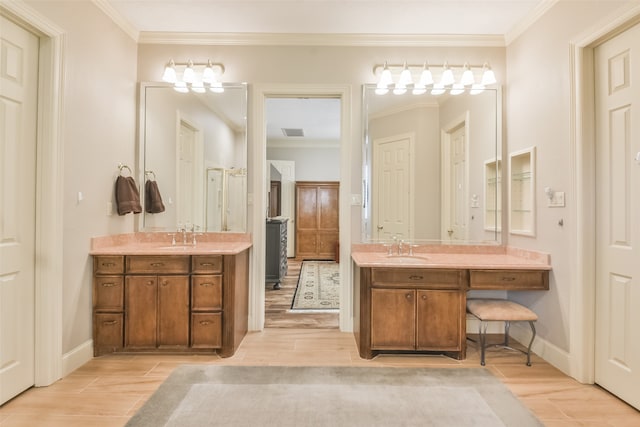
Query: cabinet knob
[[164, 283], [408, 296], [424, 297]]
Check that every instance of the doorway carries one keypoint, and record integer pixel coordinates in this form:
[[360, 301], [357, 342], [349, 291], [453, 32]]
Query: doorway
[[302, 145], [455, 181]]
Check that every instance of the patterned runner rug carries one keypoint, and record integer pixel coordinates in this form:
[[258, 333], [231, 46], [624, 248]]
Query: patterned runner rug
[[318, 286]]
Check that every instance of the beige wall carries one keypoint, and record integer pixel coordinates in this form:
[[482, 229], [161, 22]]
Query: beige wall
[[98, 132], [538, 111]]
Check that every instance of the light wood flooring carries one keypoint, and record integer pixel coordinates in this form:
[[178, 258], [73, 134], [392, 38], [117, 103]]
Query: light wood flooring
[[108, 390], [278, 304]]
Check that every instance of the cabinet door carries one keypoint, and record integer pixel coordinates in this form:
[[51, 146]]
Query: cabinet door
[[173, 311], [393, 319], [141, 311], [439, 320], [107, 333]]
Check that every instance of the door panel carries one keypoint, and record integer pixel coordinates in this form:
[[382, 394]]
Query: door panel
[[392, 187], [18, 111], [317, 219], [617, 357], [173, 311], [141, 311]]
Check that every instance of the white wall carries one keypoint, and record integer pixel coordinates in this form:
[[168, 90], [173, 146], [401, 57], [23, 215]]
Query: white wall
[[98, 132], [312, 164]]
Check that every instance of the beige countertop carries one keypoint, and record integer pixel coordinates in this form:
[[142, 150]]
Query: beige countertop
[[160, 243], [451, 256]]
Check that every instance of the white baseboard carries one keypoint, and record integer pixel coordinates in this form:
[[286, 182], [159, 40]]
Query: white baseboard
[[551, 353], [77, 357]]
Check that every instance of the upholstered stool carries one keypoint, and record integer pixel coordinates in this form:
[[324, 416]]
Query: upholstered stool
[[500, 310]]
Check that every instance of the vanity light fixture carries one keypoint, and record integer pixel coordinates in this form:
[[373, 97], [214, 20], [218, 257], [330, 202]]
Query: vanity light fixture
[[194, 76], [435, 78]]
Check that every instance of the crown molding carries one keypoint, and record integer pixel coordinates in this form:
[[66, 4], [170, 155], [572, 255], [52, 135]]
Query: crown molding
[[531, 18], [117, 18], [318, 39]]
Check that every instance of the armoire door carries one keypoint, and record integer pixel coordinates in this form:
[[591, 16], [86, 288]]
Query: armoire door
[[317, 219]]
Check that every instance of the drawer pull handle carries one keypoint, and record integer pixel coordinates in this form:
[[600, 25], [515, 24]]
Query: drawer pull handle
[[108, 285], [108, 264], [414, 277], [206, 284], [206, 264], [157, 264], [508, 278], [109, 322], [205, 322]]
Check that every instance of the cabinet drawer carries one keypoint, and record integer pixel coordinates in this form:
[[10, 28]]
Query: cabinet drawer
[[509, 279], [202, 264], [107, 332], [108, 293], [206, 292], [206, 330], [108, 264], [418, 277], [176, 264]]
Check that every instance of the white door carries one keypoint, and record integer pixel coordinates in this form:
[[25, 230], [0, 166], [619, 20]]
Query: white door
[[288, 197], [18, 111], [617, 358], [455, 226], [215, 205], [392, 189], [187, 195]]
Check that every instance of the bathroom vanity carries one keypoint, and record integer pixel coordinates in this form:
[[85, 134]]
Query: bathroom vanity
[[153, 296], [417, 303]]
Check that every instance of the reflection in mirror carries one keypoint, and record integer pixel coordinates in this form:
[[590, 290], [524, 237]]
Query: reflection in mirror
[[426, 173], [195, 147]]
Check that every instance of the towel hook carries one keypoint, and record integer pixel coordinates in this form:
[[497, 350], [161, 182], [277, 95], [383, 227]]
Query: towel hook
[[151, 173], [121, 166]]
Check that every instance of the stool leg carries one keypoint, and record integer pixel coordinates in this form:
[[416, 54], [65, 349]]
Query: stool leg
[[533, 330], [483, 339], [507, 325]]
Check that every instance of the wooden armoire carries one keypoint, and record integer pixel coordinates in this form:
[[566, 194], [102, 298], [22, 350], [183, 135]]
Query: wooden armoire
[[317, 219]]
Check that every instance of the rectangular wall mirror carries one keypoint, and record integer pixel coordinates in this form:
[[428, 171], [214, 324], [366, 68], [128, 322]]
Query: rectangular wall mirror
[[194, 147], [424, 166]]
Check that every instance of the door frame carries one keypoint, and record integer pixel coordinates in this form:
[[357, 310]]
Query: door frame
[[583, 140], [258, 192], [49, 194]]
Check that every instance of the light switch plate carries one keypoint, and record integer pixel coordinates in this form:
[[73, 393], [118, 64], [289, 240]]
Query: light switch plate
[[557, 201], [356, 200]]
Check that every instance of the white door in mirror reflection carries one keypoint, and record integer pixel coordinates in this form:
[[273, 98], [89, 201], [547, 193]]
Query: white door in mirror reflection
[[189, 196], [455, 184], [393, 190], [215, 193]]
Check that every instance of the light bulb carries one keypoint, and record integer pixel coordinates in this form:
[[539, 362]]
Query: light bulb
[[207, 75], [189, 75], [476, 89], [404, 81], [457, 89], [181, 87], [169, 74], [438, 89], [467, 76], [447, 78], [488, 76]]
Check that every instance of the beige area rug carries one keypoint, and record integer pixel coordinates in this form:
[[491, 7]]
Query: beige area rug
[[206, 395], [318, 286]]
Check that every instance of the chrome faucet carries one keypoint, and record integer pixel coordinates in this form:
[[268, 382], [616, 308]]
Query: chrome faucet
[[400, 246]]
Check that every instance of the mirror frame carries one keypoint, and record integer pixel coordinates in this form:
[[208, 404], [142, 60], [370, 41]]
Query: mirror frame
[[499, 199], [139, 224]]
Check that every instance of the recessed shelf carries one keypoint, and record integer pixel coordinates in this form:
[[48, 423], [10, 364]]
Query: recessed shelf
[[521, 192], [492, 195]]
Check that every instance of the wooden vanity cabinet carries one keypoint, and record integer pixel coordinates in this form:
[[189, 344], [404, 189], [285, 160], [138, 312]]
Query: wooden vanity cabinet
[[108, 304], [170, 303], [156, 302], [412, 310]]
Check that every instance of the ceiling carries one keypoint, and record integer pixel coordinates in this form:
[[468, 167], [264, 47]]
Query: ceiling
[[319, 118]]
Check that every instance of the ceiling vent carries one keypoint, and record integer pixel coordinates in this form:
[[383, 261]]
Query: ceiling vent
[[292, 132]]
